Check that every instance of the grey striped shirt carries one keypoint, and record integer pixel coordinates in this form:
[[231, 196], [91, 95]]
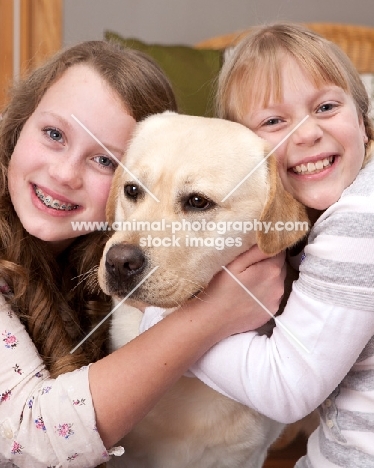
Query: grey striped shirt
[[345, 437]]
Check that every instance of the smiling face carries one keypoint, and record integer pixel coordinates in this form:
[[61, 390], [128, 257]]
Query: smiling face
[[324, 155], [58, 173]]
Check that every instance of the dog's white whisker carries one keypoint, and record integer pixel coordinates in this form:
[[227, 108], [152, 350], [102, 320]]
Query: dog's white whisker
[[88, 276], [86, 273], [280, 324], [115, 158], [93, 282], [114, 309]]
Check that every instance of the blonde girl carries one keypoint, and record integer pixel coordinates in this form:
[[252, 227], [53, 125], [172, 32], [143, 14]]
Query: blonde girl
[[287, 83]]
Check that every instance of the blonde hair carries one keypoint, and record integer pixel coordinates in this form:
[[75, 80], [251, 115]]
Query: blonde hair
[[57, 307], [252, 74]]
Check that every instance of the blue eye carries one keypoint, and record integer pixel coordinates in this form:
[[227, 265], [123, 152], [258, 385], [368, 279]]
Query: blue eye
[[54, 134], [105, 161]]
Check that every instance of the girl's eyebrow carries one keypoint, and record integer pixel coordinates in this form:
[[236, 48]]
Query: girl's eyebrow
[[328, 88], [58, 117], [72, 125], [318, 93]]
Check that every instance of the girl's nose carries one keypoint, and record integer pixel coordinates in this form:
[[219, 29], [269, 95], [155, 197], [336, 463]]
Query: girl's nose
[[67, 172], [308, 133]]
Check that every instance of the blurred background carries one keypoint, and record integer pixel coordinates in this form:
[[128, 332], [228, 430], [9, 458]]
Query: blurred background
[[31, 30], [190, 21]]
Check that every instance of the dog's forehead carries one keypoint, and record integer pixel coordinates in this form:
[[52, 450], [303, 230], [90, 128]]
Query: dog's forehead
[[180, 142]]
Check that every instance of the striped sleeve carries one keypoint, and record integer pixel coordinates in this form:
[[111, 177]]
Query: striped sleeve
[[339, 264]]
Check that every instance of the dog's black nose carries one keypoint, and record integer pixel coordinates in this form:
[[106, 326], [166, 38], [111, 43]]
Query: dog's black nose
[[124, 260]]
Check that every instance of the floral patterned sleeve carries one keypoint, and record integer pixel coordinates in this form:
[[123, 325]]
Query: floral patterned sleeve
[[44, 422]]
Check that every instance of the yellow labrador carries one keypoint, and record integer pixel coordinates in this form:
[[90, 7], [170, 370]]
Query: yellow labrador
[[196, 192]]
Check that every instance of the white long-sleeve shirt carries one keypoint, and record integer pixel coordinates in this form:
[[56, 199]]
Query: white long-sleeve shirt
[[331, 362]]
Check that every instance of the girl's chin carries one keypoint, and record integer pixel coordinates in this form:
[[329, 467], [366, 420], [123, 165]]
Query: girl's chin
[[317, 201], [322, 204]]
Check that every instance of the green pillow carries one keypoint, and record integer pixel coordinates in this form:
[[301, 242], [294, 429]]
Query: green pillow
[[192, 72]]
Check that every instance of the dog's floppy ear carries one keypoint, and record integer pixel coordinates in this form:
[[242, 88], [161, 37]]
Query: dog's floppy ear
[[280, 208]]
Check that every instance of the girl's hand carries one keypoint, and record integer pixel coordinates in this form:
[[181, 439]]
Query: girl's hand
[[171, 346], [247, 309]]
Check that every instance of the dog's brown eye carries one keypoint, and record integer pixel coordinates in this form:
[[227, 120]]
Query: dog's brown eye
[[198, 202], [131, 191]]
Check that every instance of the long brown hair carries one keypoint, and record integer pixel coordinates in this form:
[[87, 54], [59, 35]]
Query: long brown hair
[[50, 295], [252, 73]]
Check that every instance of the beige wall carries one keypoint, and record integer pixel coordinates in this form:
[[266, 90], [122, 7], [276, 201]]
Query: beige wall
[[189, 21]]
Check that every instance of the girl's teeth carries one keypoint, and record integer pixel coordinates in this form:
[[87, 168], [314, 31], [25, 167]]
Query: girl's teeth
[[47, 200], [310, 167]]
